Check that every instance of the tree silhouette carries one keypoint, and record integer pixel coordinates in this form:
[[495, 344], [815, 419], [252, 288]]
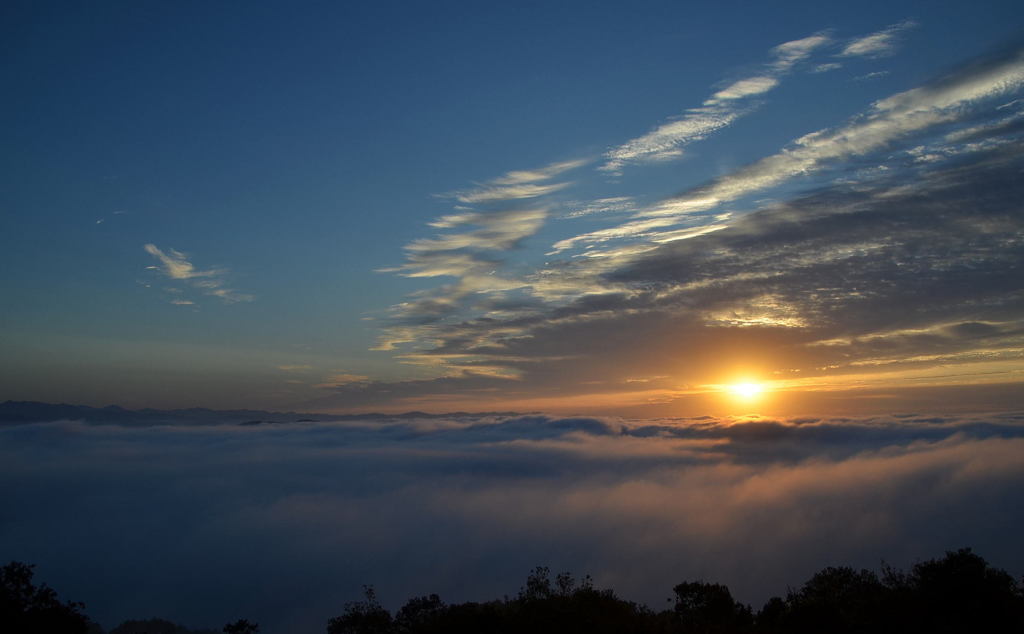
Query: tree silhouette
[[242, 626], [708, 608], [839, 600], [155, 626], [362, 617], [771, 618], [538, 585], [28, 609], [421, 614], [959, 593]]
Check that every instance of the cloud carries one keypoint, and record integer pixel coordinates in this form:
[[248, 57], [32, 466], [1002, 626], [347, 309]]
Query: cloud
[[914, 112], [467, 256], [508, 192], [651, 229], [824, 68], [473, 257], [879, 44], [115, 213], [283, 523], [744, 88], [421, 264], [611, 204], [499, 231], [335, 380], [868, 77], [899, 116], [176, 265], [519, 177], [907, 220], [518, 184], [898, 277], [230, 296], [718, 111], [666, 141], [790, 53]]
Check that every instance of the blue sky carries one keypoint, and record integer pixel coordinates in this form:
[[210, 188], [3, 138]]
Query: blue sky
[[229, 205]]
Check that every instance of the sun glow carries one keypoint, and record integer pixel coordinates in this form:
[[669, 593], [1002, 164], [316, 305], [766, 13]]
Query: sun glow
[[746, 390]]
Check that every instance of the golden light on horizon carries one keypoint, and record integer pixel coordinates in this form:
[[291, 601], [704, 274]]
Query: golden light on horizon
[[746, 390]]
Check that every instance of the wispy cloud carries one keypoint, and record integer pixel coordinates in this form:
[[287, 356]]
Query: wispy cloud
[[518, 184], [718, 111], [743, 88], [508, 192], [229, 296], [503, 220], [509, 209], [788, 54], [499, 230], [896, 117], [176, 265], [902, 232], [343, 378], [518, 177], [824, 68], [667, 140], [470, 257], [465, 254], [895, 215], [650, 229], [613, 204], [114, 213], [878, 74], [879, 44]]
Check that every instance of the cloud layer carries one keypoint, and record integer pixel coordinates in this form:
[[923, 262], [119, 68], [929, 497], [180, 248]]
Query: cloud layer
[[283, 522]]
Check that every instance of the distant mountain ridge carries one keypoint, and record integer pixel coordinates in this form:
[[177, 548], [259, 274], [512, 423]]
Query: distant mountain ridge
[[15, 412]]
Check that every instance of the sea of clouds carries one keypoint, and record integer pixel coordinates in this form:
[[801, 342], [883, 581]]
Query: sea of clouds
[[283, 523]]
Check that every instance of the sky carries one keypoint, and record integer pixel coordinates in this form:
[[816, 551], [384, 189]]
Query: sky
[[563, 207], [730, 291]]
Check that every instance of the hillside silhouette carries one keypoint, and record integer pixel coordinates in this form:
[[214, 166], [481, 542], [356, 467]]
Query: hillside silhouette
[[959, 593]]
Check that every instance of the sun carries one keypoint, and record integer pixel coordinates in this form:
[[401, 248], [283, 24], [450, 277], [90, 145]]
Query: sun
[[746, 390]]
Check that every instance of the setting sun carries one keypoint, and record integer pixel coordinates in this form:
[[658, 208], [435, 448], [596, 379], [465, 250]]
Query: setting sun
[[746, 390]]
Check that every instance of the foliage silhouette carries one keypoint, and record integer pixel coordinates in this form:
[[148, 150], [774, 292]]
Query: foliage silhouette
[[155, 626], [362, 617], [708, 608], [957, 594], [242, 626], [28, 609], [839, 600], [771, 618], [960, 593], [420, 614]]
